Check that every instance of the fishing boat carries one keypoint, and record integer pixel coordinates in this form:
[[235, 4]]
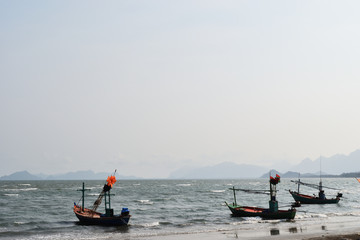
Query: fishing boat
[[308, 199], [272, 212], [89, 216]]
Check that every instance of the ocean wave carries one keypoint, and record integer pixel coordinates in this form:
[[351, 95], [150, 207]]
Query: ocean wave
[[162, 199], [217, 191], [24, 184], [166, 223], [184, 184], [198, 220], [145, 201], [345, 214], [94, 187], [19, 223], [247, 220], [255, 183], [153, 224], [20, 189], [314, 215], [271, 221], [11, 194], [93, 194]]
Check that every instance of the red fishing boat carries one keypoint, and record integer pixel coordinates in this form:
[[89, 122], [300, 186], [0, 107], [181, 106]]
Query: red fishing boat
[[90, 216]]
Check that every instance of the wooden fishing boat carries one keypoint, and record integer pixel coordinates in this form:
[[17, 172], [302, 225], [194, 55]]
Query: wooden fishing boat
[[308, 199], [89, 216], [266, 213]]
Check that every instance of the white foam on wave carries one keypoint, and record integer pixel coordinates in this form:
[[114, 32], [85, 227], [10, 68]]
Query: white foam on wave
[[247, 220], [314, 215], [24, 184], [184, 184], [19, 223], [93, 194], [217, 191], [270, 221], [145, 201], [11, 194], [28, 189], [20, 189], [345, 214], [153, 224], [94, 187]]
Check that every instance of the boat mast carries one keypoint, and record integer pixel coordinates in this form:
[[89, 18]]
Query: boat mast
[[234, 196], [83, 195], [108, 210], [273, 204], [320, 183], [299, 184], [321, 191], [270, 186]]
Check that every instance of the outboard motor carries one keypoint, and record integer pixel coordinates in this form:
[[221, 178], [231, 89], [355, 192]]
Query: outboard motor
[[339, 195]]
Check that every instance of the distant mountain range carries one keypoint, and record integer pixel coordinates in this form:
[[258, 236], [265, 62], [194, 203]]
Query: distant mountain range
[[334, 165], [79, 175], [338, 165], [24, 175]]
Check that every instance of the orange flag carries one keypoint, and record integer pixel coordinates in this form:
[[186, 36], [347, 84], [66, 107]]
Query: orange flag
[[111, 180]]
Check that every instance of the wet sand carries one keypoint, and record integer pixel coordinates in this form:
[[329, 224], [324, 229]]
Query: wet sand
[[354, 236], [315, 232], [226, 235]]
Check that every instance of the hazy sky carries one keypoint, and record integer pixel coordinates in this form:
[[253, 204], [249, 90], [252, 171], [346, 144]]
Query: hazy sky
[[148, 87]]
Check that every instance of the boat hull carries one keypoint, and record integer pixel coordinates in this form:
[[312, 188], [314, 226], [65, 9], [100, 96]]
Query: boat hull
[[244, 211], [306, 199], [88, 217]]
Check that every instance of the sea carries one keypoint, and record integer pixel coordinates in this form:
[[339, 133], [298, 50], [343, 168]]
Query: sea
[[165, 209]]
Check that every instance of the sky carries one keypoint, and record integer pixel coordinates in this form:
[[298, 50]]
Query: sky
[[149, 87]]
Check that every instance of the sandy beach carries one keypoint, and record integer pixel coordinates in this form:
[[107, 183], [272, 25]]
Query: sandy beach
[[315, 232], [354, 236], [254, 236]]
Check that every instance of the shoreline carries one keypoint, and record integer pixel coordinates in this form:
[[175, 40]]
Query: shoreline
[[222, 235], [324, 231]]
